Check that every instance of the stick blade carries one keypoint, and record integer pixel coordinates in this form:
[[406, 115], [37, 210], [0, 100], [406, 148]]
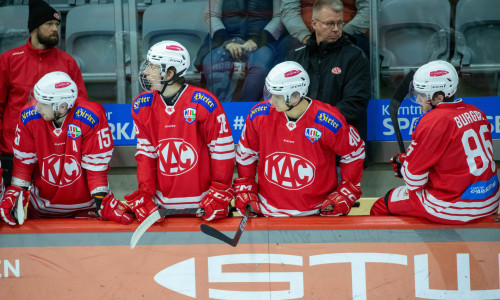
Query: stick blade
[[141, 229], [208, 230], [19, 212]]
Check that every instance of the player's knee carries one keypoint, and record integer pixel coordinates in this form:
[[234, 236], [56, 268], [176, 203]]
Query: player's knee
[[381, 206]]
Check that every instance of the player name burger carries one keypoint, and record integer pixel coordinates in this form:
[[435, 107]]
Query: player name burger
[[467, 118]]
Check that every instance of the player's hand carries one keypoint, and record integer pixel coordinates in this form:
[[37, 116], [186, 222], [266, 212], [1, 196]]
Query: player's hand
[[112, 209], [397, 161], [246, 193], [8, 203], [340, 202], [142, 205], [216, 202]]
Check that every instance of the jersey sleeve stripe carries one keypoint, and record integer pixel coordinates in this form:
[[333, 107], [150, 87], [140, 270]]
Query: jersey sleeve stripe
[[26, 157], [358, 154], [245, 156], [144, 147], [223, 156]]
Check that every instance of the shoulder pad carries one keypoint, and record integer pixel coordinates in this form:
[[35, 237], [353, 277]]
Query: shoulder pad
[[86, 116], [204, 100], [142, 101], [261, 109], [415, 124], [29, 114], [328, 120]]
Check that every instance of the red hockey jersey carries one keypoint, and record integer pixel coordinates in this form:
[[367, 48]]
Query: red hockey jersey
[[297, 159], [182, 148], [449, 169], [67, 163]]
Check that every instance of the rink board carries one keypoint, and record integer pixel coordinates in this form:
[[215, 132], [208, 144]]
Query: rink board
[[356, 257]]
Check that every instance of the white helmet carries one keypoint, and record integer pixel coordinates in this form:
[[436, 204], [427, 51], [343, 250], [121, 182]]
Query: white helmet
[[286, 78], [435, 76], [165, 54], [54, 89]]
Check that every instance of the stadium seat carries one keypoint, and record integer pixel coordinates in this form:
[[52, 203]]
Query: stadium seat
[[413, 32], [169, 21], [13, 26], [477, 40], [92, 40]]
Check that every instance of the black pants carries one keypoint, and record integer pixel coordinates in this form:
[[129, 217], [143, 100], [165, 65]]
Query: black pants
[[7, 166]]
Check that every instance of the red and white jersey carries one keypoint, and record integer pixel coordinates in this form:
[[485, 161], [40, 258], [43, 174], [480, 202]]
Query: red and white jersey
[[67, 163], [449, 168], [296, 159], [182, 148]]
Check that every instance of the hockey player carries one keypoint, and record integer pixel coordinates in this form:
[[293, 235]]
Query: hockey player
[[185, 150], [291, 141], [449, 170], [63, 145]]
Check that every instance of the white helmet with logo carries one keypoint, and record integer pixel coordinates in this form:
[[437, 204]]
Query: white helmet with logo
[[54, 89], [435, 76], [165, 54], [287, 78]]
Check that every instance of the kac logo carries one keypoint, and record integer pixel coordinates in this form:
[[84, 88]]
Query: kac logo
[[60, 170], [176, 157], [288, 170], [190, 115]]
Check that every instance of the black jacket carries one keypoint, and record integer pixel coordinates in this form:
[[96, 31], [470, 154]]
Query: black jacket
[[340, 76]]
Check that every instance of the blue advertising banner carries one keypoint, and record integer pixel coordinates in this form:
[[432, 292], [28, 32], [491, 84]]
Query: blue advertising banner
[[379, 121]]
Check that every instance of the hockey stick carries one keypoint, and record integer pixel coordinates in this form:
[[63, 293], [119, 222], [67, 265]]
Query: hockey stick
[[151, 219], [397, 98], [221, 236], [19, 212]]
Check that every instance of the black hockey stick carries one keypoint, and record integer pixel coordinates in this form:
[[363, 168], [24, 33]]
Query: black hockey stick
[[396, 100], [221, 236], [151, 219]]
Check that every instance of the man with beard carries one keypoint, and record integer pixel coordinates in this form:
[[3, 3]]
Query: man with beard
[[22, 67]]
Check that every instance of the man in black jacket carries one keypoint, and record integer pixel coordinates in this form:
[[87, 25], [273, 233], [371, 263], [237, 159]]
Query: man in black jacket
[[339, 70]]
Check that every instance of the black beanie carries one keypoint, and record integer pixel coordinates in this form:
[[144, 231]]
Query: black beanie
[[41, 12]]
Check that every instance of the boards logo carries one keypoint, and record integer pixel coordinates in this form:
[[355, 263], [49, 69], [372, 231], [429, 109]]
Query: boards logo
[[190, 115], [289, 171], [176, 157], [60, 170]]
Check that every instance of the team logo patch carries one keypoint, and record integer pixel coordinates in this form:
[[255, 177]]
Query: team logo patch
[[205, 100], [176, 157], [142, 101], [74, 131], [312, 134], [337, 70], [328, 121], [190, 115], [261, 109], [86, 116], [29, 114]]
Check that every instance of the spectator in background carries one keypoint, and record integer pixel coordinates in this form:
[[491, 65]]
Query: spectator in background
[[296, 15], [339, 70], [245, 38], [22, 67]]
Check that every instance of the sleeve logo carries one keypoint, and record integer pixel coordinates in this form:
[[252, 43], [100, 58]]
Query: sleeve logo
[[328, 121], [205, 101], [29, 114], [86, 116], [261, 109], [142, 101]]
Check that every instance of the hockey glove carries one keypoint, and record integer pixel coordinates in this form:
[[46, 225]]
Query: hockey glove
[[8, 203], [112, 209], [341, 201], [216, 202], [142, 205], [397, 162], [246, 193]]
